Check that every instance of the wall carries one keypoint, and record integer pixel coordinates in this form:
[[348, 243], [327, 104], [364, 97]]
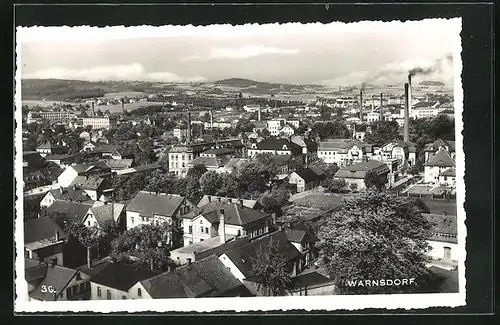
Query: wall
[[133, 292], [79, 295], [67, 177], [48, 253], [328, 288], [359, 181], [115, 293], [229, 264], [431, 173], [437, 251], [47, 200], [181, 258]]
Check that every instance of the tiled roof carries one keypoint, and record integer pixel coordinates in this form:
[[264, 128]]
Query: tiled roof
[[308, 280], [359, 170], [444, 227], [121, 276], [234, 214], [93, 183], [41, 232], [206, 199], [308, 175], [449, 172], [277, 144], [55, 276], [47, 145], [218, 151], [226, 247], [119, 163], [75, 211], [207, 277], [149, 204], [68, 194], [400, 143], [242, 256], [212, 162], [441, 159], [58, 157], [432, 147], [107, 211], [107, 148], [343, 145]]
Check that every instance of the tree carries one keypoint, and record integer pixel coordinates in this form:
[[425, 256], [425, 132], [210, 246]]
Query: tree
[[270, 270], [86, 236], [382, 132], [152, 242], [328, 169], [336, 185], [374, 180], [197, 171], [210, 183], [274, 200], [374, 236]]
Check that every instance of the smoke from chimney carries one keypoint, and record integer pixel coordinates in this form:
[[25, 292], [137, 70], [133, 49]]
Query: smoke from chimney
[[406, 134], [409, 94], [436, 67]]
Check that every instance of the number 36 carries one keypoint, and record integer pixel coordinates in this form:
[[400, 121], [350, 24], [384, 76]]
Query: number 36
[[49, 289]]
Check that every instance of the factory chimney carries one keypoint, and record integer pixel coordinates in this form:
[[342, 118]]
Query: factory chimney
[[211, 119], [189, 128], [340, 91], [373, 103], [123, 105], [361, 105], [406, 134], [381, 109], [258, 114], [410, 107], [93, 108]]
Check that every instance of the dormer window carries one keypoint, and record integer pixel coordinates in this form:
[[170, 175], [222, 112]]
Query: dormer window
[[285, 147]]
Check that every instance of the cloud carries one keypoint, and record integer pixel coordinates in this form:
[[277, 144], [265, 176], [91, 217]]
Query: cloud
[[133, 72], [248, 52], [190, 58]]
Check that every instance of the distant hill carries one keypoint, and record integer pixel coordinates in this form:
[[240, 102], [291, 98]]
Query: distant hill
[[431, 83], [260, 85]]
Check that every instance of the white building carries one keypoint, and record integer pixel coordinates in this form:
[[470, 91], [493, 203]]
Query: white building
[[443, 240], [343, 152], [97, 122], [438, 166], [274, 126]]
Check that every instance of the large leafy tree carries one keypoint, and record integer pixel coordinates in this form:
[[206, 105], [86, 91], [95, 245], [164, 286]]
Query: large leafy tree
[[152, 242], [275, 199], [331, 129], [86, 236], [328, 169], [210, 183], [269, 268], [375, 236], [383, 132], [374, 180]]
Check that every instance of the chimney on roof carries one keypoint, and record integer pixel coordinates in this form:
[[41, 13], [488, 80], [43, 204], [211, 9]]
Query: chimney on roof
[[209, 198], [241, 202], [222, 227], [188, 261], [57, 236]]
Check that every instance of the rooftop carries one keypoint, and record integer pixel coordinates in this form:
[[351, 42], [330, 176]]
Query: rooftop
[[234, 214], [150, 203], [359, 170], [441, 159], [122, 276], [41, 232]]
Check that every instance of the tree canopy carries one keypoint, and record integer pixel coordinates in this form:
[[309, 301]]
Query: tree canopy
[[375, 236], [374, 180], [383, 132]]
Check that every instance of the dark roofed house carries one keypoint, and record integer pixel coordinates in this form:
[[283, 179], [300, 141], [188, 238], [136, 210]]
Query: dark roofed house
[[355, 174], [96, 187], [44, 240], [114, 280], [443, 239], [306, 179], [74, 211], [61, 160], [102, 212], [52, 282], [433, 148], [49, 148], [239, 259], [207, 277], [215, 163], [276, 147], [206, 199], [32, 161], [66, 195], [437, 164]]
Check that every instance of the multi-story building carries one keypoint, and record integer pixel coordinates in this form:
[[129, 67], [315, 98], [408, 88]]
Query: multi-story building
[[439, 165], [180, 133], [433, 148], [275, 147], [396, 150], [97, 122], [52, 116], [344, 152], [274, 126], [424, 110]]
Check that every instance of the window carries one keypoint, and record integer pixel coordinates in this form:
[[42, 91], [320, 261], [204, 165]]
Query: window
[[123, 297], [88, 223], [82, 287], [68, 292], [108, 295], [75, 290], [206, 230], [139, 292], [98, 291], [190, 229]]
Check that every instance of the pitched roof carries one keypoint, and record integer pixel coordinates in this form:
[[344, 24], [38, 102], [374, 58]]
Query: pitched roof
[[58, 157], [41, 232], [84, 168], [234, 214], [278, 144], [308, 280], [432, 147], [121, 276], [47, 145], [54, 275], [449, 172], [75, 211], [107, 148], [149, 204], [207, 277], [213, 162], [400, 143], [359, 170], [444, 227], [308, 175], [218, 151], [70, 195], [206, 199], [221, 249], [343, 145], [119, 163], [241, 256], [441, 159], [106, 211]]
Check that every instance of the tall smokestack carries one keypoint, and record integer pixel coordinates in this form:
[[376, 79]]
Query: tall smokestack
[[189, 128], [373, 103], [340, 91], [361, 105], [381, 109], [93, 108], [123, 106], [409, 94], [258, 113], [406, 134], [211, 119]]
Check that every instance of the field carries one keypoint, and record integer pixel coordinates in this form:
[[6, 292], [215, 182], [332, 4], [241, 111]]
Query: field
[[116, 108], [318, 200]]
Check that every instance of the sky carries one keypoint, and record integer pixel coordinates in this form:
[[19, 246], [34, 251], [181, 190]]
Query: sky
[[332, 54]]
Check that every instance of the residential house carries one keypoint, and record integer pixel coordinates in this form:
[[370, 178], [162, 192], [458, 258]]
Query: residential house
[[32, 161], [61, 160], [436, 165], [48, 281], [213, 159], [224, 220], [44, 240], [114, 281], [448, 177], [239, 260], [88, 147], [274, 126], [344, 152], [304, 241], [275, 147], [71, 173], [119, 164], [180, 132], [49, 148], [97, 188], [424, 110], [433, 148], [287, 131], [64, 194], [396, 150], [443, 240], [157, 208], [355, 174], [102, 212], [305, 179], [311, 284], [73, 211], [204, 278], [85, 136]]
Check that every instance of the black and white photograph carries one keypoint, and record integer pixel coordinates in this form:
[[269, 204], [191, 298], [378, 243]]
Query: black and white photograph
[[240, 167]]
